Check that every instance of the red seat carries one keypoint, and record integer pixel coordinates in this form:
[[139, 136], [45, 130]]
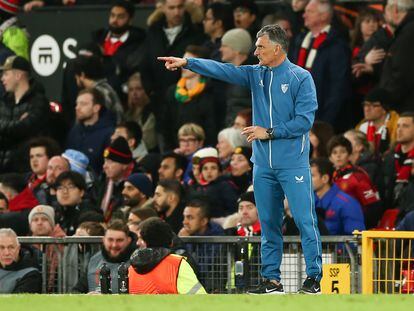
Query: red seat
[[388, 220]]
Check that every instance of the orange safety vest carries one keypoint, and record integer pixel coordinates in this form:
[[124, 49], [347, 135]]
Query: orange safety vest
[[161, 280]]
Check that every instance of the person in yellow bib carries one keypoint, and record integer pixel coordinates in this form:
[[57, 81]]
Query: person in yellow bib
[[155, 269]]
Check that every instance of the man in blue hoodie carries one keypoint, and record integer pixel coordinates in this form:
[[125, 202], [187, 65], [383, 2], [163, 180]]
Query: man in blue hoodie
[[284, 105]]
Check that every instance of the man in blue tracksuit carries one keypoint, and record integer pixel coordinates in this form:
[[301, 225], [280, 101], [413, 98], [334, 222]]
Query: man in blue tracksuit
[[284, 105]]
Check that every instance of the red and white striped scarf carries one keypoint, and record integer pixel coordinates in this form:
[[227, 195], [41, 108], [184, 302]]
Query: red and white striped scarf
[[307, 54]]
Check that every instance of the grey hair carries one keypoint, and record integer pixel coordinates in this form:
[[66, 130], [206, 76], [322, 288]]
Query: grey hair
[[9, 233], [276, 35], [325, 6], [234, 137], [402, 5]]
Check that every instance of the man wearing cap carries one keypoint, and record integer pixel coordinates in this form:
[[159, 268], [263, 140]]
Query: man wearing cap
[[92, 132], [241, 168], [248, 216], [42, 224], [118, 165], [78, 161], [137, 192], [24, 113], [236, 45], [379, 123], [284, 105]]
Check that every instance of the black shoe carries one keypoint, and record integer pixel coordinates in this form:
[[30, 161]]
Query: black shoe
[[310, 287], [267, 288]]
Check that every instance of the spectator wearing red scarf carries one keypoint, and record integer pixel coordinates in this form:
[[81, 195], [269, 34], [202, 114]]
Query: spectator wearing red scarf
[[398, 164]]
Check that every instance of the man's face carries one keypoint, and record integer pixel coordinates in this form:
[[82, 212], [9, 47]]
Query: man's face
[[40, 225], [168, 170], [227, 53], [55, 167], [140, 242], [121, 131], [68, 194], [266, 51], [193, 222], [299, 5], [161, 200], [239, 165], [174, 12], [243, 18], [312, 17], [10, 80], [85, 108], [224, 148], [239, 123], [339, 157], [38, 160], [405, 130], [9, 250], [210, 171], [248, 213], [391, 13], [188, 144], [114, 170], [373, 111], [317, 181], [132, 196], [136, 93], [119, 20], [115, 242], [285, 25], [210, 25]]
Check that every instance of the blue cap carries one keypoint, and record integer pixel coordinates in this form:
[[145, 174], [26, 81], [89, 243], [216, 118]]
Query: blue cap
[[78, 161]]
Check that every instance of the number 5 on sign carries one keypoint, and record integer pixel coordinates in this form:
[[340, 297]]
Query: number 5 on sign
[[336, 279]]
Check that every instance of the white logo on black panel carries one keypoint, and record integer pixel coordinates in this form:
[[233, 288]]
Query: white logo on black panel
[[45, 55]]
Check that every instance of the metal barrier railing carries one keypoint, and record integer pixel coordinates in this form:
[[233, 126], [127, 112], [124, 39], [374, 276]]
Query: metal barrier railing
[[387, 262], [226, 264]]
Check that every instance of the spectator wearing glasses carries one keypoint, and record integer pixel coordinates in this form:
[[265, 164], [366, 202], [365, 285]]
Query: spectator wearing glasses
[[70, 192]]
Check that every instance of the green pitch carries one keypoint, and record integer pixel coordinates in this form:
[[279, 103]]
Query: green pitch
[[205, 303]]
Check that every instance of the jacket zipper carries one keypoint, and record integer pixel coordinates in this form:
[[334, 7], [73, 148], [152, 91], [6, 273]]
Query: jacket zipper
[[270, 114], [303, 144]]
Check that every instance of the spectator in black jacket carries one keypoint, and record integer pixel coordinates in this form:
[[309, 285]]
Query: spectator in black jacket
[[398, 70], [169, 35], [121, 43], [24, 111], [70, 193], [19, 272], [169, 203]]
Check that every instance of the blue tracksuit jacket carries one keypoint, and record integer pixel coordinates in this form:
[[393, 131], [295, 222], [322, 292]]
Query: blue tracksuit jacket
[[283, 98]]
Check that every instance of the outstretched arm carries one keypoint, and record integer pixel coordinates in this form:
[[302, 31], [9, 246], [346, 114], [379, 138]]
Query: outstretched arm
[[210, 68]]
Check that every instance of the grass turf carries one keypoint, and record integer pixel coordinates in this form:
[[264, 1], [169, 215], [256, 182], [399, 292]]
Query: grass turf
[[206, 302]]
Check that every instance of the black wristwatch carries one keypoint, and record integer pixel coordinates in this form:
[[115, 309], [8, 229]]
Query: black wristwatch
[[269, 133]]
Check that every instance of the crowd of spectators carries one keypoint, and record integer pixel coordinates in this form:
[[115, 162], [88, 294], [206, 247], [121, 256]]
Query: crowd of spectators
[[131, 140]]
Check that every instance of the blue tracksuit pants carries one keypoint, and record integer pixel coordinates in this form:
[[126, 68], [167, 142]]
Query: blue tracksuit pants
[[270, 188]]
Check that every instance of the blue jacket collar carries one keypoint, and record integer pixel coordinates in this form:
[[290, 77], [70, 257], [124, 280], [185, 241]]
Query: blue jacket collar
[[281, 68]]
